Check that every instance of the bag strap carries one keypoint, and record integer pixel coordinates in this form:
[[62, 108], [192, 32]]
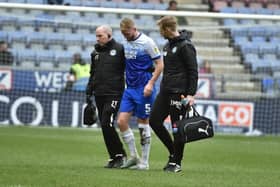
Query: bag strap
[[195, 113]]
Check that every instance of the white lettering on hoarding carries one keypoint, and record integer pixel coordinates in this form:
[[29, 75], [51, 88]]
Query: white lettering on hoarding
[[27, 100], [211, 113], [242, 115], [6, 100], [75, 112], [207, 111], [227, 115], [55, 113], [55, 80], [236, 114], [38, 112], [42, 80]]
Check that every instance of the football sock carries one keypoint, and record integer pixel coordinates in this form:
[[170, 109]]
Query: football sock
[[128, 138], [145, 138]]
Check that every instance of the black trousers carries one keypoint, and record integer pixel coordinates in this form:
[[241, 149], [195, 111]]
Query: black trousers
[[107, 107], [164, 105]]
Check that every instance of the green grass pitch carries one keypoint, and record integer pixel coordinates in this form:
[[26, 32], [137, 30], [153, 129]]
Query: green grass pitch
[[62, 157]]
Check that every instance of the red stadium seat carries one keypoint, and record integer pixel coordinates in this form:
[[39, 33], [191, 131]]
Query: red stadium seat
[[218, 5], [255, 5], [273, 6], [238, 4]]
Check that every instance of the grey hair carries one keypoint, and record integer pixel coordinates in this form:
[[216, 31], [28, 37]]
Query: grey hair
[[106, 28]]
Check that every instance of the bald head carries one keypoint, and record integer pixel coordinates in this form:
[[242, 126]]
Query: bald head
[[103, 34], [105, 28]]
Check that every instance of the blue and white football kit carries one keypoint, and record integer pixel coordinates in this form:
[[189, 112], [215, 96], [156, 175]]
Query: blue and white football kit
[[140, 54]]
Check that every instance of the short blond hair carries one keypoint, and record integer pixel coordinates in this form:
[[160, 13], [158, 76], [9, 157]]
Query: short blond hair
[[127, 23], [168, 22]]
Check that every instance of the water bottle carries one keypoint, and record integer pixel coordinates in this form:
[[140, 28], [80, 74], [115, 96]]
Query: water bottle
[[185, 102]]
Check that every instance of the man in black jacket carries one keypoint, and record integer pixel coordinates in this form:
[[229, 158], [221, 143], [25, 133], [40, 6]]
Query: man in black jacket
[[179, 83], [106, 83]]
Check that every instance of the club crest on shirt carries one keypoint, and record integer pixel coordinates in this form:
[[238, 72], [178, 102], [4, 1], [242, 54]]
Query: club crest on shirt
[[96, 57], [113, 52], [174, 49], [156, 50]]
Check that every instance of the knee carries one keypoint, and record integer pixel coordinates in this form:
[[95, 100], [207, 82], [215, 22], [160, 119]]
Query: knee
[[123, 124], [120, 122]]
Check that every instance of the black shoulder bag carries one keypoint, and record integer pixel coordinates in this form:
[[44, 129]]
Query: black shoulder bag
[[90, 115], [194, 128]]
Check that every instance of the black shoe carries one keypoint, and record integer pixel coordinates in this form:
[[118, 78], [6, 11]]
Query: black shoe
[[110, 164], [117, 162], [170, 159], [173, 167]]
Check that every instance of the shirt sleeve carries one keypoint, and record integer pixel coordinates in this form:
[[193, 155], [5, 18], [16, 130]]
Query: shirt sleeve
[[152, 49]]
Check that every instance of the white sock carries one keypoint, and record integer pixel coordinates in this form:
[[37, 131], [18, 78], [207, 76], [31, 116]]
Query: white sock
[[145, 138], [128, 138]]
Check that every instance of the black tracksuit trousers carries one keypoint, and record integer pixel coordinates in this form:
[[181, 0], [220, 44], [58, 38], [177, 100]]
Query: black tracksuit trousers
[[164, 105], [108, 107]]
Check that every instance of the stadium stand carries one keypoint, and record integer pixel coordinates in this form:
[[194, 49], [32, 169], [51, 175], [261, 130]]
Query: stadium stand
[[254, 39], [42, 31]]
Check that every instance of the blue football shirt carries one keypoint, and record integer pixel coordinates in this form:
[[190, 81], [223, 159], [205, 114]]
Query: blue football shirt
[[139, 55]]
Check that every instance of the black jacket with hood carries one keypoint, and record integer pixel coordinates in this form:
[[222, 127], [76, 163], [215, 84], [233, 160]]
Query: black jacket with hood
[[107, 70], [180, 72]]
